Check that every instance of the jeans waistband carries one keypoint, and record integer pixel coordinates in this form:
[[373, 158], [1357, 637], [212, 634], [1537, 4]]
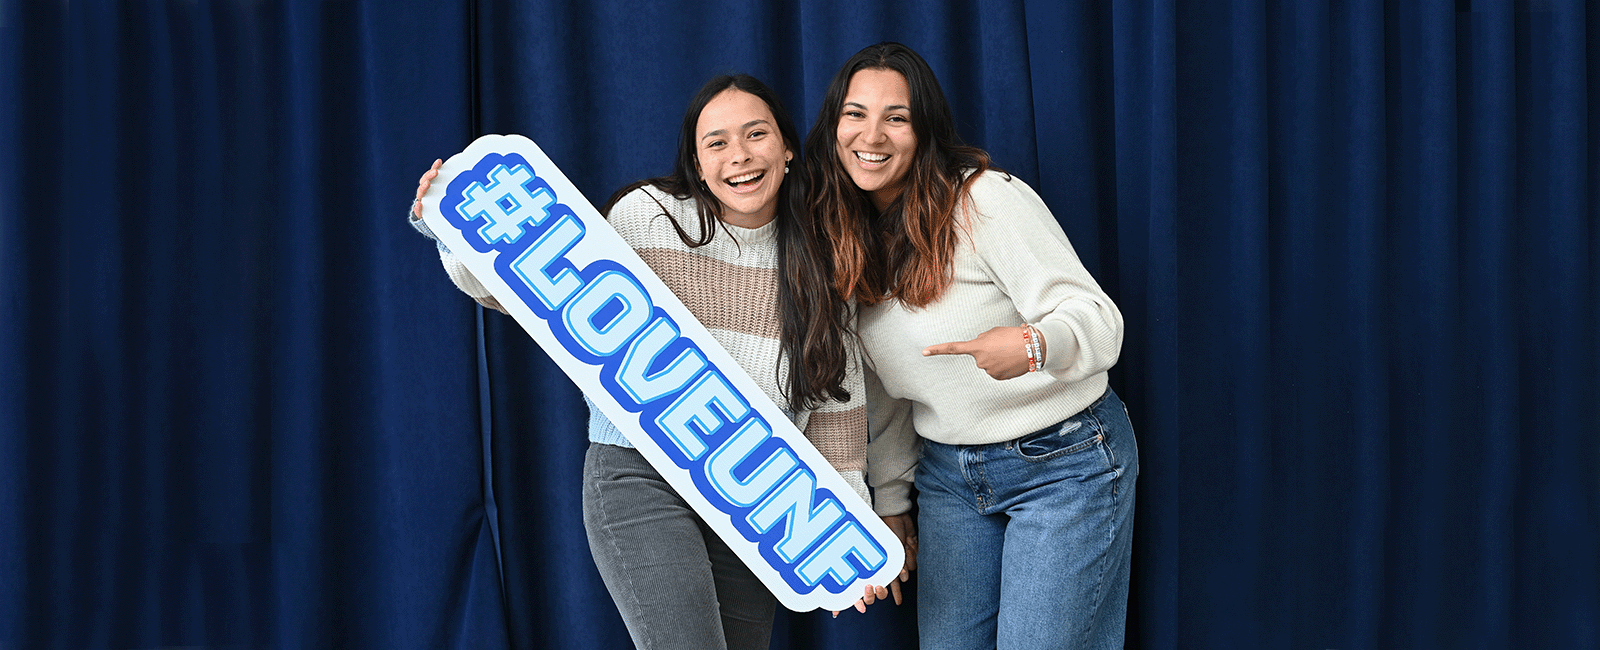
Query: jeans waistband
[[1092, 406]]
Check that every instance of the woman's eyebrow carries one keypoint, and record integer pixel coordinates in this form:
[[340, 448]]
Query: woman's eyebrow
[[725, 131], [893, 107]]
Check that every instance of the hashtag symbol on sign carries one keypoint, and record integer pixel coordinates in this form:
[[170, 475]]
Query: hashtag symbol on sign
[[505, 204]]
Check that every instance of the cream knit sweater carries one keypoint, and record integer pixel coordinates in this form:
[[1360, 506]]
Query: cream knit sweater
[[1013, 264]]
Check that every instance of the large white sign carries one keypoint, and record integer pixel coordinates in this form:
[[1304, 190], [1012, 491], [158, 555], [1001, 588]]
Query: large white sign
[[571, 281]]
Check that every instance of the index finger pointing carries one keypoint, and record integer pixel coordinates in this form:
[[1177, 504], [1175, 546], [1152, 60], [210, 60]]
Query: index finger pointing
[[954, 347]]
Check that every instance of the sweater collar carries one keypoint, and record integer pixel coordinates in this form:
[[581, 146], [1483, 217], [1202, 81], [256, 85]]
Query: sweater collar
[[760, 235]]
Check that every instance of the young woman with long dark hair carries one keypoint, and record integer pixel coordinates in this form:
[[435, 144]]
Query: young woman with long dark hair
[[726, 231], [987, 344]]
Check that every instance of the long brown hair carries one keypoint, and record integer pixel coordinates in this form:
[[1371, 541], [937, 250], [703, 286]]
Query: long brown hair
[[813, 320], [905, 251]]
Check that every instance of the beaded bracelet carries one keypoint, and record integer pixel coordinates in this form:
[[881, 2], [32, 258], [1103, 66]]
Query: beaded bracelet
[[1028, 347], [1038, 345]]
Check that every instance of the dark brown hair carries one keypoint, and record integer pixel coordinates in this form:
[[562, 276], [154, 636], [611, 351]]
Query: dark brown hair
[[904, 251], [814, 320]]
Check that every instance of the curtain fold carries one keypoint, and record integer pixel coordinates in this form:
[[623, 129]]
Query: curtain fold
[[1355, 244], [220, 428]]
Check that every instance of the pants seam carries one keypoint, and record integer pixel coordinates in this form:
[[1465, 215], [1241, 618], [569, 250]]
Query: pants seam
[[1105, 564], [627, 571]]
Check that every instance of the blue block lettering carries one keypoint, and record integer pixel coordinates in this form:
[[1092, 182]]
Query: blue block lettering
[[534, 264], [792, 503], [833, 557], [645, 388], [708, 406], [603, 339], [720, 465], [505, 204]]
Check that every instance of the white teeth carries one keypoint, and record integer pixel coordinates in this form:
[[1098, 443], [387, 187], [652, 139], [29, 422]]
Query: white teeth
[[872, 157], [745, 178]]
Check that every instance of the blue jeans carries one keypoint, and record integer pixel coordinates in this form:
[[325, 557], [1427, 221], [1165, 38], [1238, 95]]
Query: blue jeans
[[1026, 543]]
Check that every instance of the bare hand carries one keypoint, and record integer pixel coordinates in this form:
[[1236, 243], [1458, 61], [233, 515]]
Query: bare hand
[[873, 593], [999, 352], [422, 187], [905, 528]]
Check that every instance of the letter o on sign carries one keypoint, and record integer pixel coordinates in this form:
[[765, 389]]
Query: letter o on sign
[[595, 303]]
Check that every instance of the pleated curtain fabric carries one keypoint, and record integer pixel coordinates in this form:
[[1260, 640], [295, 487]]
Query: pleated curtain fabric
[[1355, 243]]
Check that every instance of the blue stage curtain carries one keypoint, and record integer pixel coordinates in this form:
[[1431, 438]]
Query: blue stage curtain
[[1355, 243]]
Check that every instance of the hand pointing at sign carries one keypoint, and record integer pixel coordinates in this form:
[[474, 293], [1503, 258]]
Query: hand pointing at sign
[[1001, 352]]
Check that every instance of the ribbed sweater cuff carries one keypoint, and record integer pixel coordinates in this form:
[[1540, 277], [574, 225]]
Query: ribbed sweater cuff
[[892, 498], [420, 225], [1061, 347]]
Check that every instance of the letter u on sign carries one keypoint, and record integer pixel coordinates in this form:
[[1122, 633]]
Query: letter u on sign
[[553, 262]]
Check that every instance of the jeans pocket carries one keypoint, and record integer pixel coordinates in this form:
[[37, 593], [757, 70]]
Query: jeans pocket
[[1070, 437]]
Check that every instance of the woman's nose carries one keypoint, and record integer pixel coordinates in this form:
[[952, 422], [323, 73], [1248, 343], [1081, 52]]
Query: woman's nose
[[875, 133]]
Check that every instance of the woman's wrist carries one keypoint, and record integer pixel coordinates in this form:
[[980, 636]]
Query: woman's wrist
[[1033, 347], [1038, 340], [1030, 348]]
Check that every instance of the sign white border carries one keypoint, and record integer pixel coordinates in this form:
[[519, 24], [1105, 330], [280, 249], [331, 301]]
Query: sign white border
[[531, 238]]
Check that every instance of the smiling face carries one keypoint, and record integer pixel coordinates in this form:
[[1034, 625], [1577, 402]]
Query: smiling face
[[876, 142], [741, 157]]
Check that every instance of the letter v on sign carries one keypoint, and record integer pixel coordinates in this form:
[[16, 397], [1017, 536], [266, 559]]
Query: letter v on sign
[[570, 281]]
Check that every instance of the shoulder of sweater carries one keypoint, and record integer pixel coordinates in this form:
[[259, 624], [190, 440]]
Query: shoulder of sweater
[[647, 210], [998, 197], [1004, 213], [647, 201], [996, 191]]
